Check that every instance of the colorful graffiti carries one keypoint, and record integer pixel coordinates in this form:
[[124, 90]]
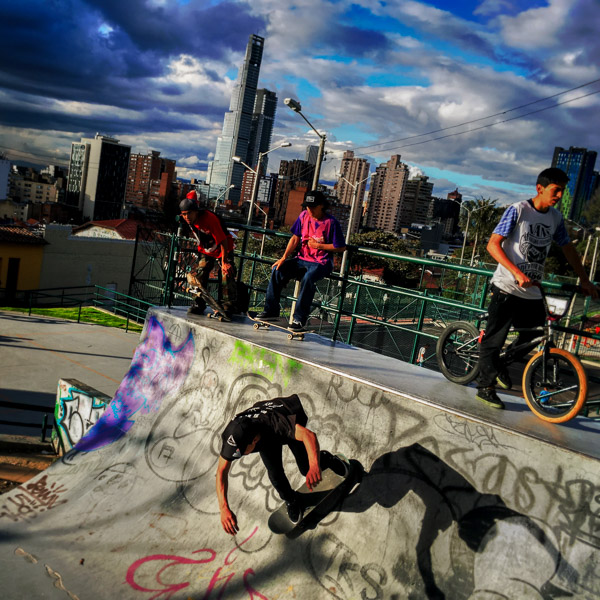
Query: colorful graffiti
[[78, 408], [157, 370]]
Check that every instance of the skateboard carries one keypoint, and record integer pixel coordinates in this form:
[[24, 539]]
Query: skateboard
[[195, 287], [281, 324], [324, 498]]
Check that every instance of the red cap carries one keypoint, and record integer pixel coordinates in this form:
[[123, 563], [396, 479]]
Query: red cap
[[191, 195]]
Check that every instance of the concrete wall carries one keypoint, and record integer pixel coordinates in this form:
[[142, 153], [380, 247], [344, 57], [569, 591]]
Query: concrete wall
[[449, 506], [30, 264], [75, 261]]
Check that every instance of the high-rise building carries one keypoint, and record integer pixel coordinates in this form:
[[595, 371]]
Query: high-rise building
[[237, 125], [447, 211], [578, 164], [149, 180], [4, 171], [292, 174], [312, 153], [98, 177], [261, 132], [386, 194], [417, 205], [353, 171]]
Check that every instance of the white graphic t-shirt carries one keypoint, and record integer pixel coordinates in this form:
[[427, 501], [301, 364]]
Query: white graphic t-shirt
[[529, 234]]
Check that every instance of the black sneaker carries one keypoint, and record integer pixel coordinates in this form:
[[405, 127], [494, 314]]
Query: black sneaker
[[503, 380], [195, 310], [296, 326], [294, 511], [488, 396], [267, 316], [339, 466]]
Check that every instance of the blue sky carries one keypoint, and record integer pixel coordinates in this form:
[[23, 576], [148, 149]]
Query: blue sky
[[158, 74]]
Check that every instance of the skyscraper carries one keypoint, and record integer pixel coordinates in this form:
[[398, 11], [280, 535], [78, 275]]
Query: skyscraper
[[312, 153], [98, 177], [146, 172], [386, 195], [353, 171], [237, 125], [261, 132], [578, 164], [417, 204]]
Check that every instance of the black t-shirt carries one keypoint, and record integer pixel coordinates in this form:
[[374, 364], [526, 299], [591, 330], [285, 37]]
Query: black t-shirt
[[274, 420]]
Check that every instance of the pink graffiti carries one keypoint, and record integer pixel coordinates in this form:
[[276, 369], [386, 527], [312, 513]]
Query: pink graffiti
[[157, 370], [217, 580]]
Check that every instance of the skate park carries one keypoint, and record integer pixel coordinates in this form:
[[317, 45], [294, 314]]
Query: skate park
[[456, 501]]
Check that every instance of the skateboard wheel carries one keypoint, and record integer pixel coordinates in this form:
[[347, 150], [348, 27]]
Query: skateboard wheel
[[301, 337], [256, 326], [290, 336]]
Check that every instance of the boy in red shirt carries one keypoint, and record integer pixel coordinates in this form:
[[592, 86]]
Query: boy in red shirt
[[214, 244]]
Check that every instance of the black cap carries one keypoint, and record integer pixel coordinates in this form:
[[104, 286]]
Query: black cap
[[315, 198], [187, 204], [235, 440]]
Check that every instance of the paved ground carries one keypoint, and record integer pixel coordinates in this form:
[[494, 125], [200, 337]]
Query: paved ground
[[35, 352]]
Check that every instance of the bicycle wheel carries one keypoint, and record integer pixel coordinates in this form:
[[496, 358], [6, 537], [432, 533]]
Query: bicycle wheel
[[457, 352], [560, 395]]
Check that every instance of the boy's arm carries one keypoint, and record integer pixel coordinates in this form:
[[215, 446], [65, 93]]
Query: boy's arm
[[292, 244], [311, 443], [496, 251], [327, 247], [228, 518], [572, 256]]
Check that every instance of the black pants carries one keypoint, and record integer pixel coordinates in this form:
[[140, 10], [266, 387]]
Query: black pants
[[506, 310], [272, 456]]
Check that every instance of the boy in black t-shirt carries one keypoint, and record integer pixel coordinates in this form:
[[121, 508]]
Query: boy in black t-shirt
[[265, 428]]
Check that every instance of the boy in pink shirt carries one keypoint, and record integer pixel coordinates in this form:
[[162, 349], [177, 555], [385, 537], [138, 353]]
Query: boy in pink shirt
[[319, 235]]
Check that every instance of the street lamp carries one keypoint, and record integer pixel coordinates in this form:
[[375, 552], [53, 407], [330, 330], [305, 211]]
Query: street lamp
[[466, 235], [222, 194], [256, 172], [296, 107], [354, 187]]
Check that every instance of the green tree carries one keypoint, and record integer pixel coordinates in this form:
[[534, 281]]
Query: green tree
[[482, 216], [591, 214]]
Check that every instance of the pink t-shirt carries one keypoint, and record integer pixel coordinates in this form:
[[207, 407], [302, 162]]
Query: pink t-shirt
[[326, 231]]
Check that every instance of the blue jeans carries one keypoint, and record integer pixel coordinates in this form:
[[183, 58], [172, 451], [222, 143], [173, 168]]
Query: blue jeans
[[308, 273]]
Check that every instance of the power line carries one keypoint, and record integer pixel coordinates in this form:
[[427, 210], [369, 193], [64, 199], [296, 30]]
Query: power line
[[488, 117], [441, 137]]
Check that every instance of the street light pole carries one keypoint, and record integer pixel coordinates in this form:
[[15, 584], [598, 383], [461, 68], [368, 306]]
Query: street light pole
[[256, 172], [297, 108], [354, 187], [222, 194]]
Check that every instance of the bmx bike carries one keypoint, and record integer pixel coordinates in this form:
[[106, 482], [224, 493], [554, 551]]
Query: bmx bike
[[555, 384]]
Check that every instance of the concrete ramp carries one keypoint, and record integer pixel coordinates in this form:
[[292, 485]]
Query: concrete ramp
[[456, 501]]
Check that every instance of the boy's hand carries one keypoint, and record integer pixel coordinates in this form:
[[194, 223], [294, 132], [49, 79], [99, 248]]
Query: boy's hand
[[313, 477], [229, 521]]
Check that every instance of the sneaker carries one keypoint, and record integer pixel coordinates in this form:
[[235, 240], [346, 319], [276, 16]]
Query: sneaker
[[488, 396], [503, 380], [267, 316], [339, 466], [195, 310], [294, 511], [296, 326]]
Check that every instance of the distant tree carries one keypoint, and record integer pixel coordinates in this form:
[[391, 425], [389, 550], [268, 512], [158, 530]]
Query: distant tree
[[591, 213], [482, 216]]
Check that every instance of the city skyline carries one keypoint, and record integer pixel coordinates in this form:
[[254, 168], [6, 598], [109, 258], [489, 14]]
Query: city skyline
[[158, 75]]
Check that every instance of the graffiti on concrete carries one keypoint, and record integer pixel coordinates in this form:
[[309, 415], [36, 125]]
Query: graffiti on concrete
[[78, 408], [155, 570], [275, 367], [157, 370], [32, 499]]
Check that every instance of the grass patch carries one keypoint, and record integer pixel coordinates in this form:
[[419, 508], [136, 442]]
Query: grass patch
[[89, 314]]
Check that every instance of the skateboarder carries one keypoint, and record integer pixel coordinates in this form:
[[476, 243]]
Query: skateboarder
[[265, 428], [214, 244], [319, 235]]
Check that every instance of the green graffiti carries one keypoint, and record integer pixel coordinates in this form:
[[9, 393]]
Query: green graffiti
[[264, 362]]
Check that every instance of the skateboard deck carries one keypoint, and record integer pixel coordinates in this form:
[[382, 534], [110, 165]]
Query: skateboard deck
[[195, 287], [317, 504], [281, 324]]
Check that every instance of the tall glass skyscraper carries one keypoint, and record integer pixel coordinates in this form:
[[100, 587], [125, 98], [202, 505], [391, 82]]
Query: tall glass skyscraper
[[578, 164], [263, 118], [237, 126]]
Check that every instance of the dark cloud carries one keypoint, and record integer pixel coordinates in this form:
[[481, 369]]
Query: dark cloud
[[353, 41]]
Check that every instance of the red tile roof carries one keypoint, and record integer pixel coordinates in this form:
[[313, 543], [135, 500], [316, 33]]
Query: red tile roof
[[11, 234], [126, 228]]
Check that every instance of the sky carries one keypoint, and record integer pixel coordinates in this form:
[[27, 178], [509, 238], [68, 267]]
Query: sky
[[375, 76]]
